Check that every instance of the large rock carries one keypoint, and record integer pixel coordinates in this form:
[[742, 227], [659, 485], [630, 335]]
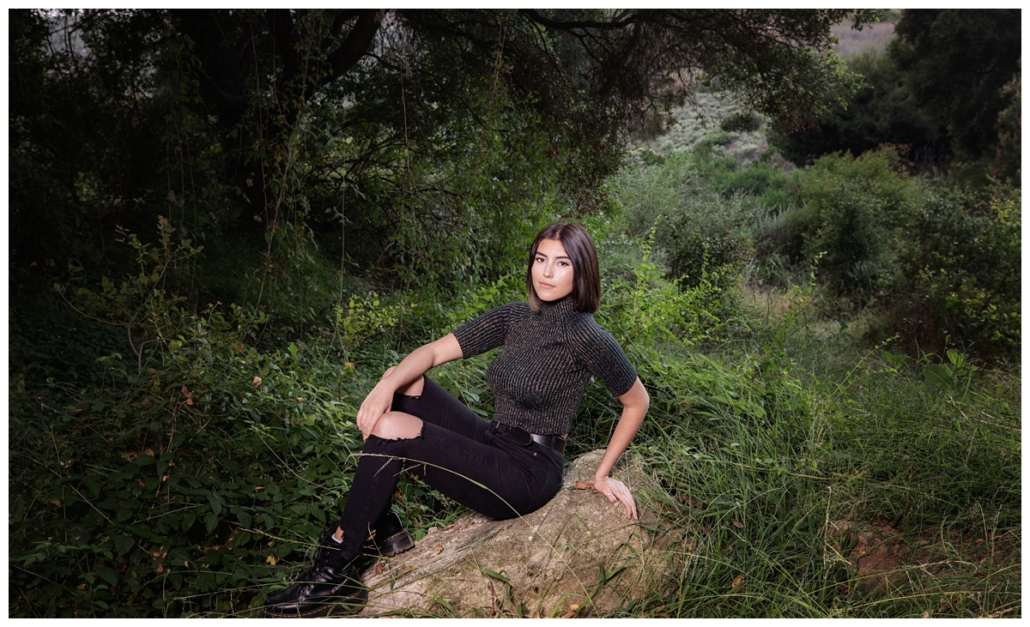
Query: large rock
[[578, 555]]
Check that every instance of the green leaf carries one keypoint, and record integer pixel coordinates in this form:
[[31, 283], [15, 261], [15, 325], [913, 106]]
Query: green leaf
[[956, 358], [939, 375], [495, 575], [123, 543], [108, 575], [606, 576], [211, 521]]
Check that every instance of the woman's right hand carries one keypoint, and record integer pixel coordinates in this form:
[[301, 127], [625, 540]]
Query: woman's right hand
[[377, 403], [417, 363]]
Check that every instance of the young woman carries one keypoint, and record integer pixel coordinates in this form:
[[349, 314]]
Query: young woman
[[506, 467]]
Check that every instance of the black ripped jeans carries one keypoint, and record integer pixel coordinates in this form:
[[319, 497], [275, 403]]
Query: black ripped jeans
[[458, 453]]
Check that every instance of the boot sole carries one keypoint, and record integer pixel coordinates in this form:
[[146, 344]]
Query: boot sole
[[329, 609], [396, 544]]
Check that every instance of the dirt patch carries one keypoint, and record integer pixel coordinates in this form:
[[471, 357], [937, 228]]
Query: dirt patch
[[882, 557], [876, 551]]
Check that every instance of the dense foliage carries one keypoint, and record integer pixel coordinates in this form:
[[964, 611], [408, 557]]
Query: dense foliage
[[388, 134], [937, 94], [266, 209]]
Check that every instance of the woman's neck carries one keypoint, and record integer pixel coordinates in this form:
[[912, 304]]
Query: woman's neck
[[558, 308]]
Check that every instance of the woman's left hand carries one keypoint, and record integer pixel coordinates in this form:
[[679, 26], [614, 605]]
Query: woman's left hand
[[616, 492]]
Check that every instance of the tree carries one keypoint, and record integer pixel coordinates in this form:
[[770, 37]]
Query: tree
[[956, 63], [443, 122], [882, 111], [1008, 158]]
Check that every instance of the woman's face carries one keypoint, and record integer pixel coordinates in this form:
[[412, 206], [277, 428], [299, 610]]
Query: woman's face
[[552, 271]]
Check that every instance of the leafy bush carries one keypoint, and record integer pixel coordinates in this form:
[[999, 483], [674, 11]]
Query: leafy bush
[[851, 208], [959, 275], [649, 310], [187, 471], [699, 234], [741, 122], [171, 496]]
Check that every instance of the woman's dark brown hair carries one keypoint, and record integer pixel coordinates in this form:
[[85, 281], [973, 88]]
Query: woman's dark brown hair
[[586, 279]]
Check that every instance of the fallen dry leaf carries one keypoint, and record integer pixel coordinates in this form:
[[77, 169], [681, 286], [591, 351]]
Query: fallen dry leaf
[[379, 568], [584, 485], [736, 581], [437, 549], [738, 524]]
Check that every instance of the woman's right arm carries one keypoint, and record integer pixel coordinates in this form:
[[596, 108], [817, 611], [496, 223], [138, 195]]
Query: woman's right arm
[[417, 363]]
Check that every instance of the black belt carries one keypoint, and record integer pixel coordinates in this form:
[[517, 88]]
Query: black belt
[[556, 442]]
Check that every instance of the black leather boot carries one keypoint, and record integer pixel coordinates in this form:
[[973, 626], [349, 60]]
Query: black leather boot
[[389, 537], [331, 586]]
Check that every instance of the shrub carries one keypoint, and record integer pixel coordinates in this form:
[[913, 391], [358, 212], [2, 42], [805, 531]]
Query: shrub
[[182, 475], [741, 122], [851, 208], [958, 278], [697, 231]]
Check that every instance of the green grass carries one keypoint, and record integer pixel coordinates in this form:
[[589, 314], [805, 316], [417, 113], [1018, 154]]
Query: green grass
[[848, 438]]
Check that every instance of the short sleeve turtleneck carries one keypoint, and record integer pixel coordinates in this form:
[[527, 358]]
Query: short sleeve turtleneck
[[548, 356]]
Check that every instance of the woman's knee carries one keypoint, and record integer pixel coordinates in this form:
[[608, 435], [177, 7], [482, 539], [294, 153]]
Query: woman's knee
[[396, 425]]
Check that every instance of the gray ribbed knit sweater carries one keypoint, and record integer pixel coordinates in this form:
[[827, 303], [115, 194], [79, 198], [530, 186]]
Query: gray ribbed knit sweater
[[539, 377]]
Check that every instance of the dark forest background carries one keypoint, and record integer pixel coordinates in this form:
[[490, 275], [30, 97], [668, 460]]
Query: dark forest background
[[225, 224]]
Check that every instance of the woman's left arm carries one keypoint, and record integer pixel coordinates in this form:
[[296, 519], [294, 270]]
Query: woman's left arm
[[634, 408]]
